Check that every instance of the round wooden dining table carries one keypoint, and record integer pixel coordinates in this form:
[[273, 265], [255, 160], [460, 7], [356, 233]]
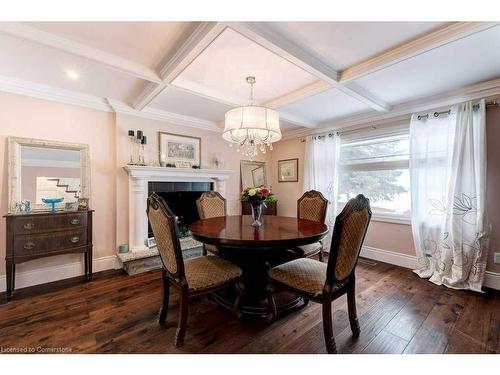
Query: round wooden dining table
[[255, 251]]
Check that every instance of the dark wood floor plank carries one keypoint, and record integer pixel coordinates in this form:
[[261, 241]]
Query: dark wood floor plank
[[117, 313], [434, 333], [386, 343]]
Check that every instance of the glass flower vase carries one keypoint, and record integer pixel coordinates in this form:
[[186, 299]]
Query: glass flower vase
[[256, 214]]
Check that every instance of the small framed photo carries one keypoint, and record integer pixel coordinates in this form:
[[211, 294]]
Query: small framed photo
[[71, 206], [151, 242], [259, 176], [288, 170], [83, 204], [179, 150]]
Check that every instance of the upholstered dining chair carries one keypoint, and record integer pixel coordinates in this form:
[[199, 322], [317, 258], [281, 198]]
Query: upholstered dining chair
[[195, 276], [211, 204], [325, 282], [312, 205]]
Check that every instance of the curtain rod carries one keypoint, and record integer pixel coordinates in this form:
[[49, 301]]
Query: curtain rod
[[493, 103], [339, 133]]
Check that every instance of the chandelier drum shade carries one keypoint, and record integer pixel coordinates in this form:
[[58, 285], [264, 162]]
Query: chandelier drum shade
[[252, 127]]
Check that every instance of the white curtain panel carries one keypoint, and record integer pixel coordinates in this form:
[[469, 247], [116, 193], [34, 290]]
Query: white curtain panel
[[320, 173], [448, 194]]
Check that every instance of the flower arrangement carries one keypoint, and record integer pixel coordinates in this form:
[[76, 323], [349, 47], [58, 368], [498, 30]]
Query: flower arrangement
[[257, 195]]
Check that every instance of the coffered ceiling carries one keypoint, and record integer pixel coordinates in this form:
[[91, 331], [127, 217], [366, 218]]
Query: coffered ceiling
[[314, 73]]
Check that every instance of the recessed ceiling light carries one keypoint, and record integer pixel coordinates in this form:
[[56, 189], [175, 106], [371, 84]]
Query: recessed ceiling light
[[72, 74]]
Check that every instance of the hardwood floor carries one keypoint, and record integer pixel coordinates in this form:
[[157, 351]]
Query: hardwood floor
[[398, 313]]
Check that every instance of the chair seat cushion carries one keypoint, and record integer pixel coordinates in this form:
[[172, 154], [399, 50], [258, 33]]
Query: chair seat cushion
[[304, 274], [209, 272], [309, 250]]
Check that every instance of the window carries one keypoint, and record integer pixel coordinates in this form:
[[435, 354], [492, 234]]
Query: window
[[378, 168]]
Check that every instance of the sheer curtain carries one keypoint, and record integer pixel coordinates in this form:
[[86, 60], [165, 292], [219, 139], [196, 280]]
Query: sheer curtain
[[448, 193], [320, 173]]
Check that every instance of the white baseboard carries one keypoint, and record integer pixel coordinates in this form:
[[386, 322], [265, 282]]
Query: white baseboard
[[54, 273], [491, 279], [391, 257]]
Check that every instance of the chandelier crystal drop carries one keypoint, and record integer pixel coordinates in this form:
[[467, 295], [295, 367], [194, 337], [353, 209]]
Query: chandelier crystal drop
[[252, 127]]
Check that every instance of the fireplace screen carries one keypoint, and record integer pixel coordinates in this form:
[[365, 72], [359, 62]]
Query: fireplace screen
[[181, 198]]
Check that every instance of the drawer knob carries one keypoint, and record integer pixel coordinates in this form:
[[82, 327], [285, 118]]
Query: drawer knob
[[75, 239], [75, 221], [29, 245], [29, 226]]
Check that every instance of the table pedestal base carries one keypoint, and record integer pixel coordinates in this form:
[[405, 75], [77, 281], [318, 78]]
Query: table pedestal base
[[285, 303], [255, 269]]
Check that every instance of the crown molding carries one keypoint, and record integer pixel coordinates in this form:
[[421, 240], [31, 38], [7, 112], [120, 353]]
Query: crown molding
[[36, 90], [164, 116], [66, 45], [40, 91], [407, 50], [401, 112]]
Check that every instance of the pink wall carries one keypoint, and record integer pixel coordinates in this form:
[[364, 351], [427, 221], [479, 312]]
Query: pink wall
[[398, 237], [33, 118], [287, 193]]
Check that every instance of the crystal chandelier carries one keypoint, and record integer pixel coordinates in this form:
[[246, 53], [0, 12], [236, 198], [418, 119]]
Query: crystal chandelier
[[252, 127]]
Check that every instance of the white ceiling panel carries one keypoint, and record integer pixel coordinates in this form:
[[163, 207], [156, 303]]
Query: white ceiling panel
[[329, 104], [458, 64], [342, 44], [179, 101], [221, 69], [33, 62], [142, 42]]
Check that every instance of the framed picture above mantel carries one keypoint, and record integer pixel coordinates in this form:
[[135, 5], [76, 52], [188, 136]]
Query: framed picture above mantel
[[288, 170], [179, 150]]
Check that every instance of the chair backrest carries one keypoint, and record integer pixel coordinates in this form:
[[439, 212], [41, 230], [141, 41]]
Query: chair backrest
[[163, 224], [348, 236], [312, 205], [211, 204]]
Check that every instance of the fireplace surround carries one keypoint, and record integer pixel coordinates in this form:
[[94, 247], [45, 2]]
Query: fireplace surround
[[140, 178]]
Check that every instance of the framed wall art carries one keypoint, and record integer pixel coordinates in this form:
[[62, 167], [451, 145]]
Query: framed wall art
[[182, 150], [288, 170]]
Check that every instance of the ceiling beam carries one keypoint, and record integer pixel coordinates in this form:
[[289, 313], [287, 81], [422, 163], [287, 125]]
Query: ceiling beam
[[286, 49], [288, 117], [312, 89], [54, 41], [173, 65], [438, 38]]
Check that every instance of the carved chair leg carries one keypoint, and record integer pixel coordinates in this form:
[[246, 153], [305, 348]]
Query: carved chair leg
[[240, 290], [181, 328], [273, 310], [321, 255], [331, 348], [166, 295], [351, 306]]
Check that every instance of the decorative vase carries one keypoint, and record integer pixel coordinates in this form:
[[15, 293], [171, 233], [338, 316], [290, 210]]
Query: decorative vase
[[256, 214]]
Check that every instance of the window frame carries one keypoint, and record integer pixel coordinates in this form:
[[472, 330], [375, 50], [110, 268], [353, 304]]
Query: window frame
[[380, 165]]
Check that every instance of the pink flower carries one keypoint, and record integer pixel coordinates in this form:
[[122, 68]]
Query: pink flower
[[264, 191]]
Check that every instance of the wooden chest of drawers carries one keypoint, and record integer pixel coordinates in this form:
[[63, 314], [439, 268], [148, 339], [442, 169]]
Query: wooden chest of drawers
[[42, 234]]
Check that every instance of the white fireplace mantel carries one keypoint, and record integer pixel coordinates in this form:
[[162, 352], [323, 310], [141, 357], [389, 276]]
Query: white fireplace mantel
[[139, 176]]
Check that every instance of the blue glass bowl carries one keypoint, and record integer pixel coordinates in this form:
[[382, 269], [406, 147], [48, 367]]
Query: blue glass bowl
[[52, 202]]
